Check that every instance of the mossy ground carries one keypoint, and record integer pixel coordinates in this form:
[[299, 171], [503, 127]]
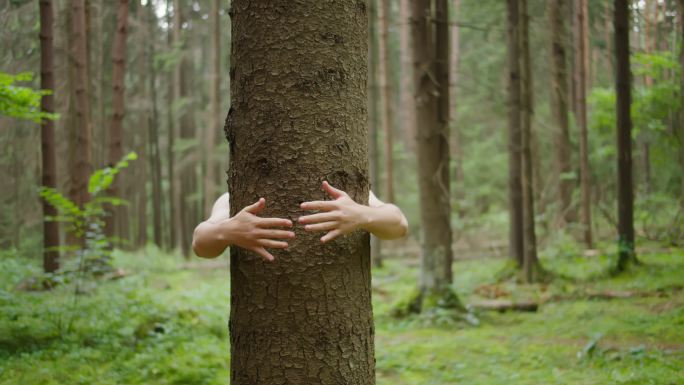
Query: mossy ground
[[166, 325]]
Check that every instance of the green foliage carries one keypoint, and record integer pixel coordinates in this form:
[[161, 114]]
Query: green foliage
[[165, 324], [21, 102], [87, 222]]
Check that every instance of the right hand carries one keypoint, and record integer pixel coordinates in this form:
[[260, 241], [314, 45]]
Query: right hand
[[253, 233]]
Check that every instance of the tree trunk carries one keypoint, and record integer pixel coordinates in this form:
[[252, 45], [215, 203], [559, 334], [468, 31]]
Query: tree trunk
[[81, 152], [515, 195], [408, 110], [680, 129], [47, 137], [213, 126], [292, 102], [559, 101], [608, 40], [431, 82], [456, 148], [581, 103], [531, 266], [118, 107], [626, 253], [153, 151], [373, 117], [171, 127], [386, 83]]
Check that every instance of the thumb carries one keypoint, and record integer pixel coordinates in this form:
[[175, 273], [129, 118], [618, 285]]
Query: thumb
[[332, 191], [255, 208]]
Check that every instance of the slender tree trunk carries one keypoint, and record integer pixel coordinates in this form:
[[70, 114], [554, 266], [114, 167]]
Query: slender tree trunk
[[607, 17], [515, 196], [118, 107], [408, 109], [680, 129], [47, 136], [174, 117], [81, 154], [384, 12], [153, 133], [530, 261], [374, 110], [623, 90], [559, 96], [312, 305], [214, 126], [431, 82], [456, 148], [581, 82]]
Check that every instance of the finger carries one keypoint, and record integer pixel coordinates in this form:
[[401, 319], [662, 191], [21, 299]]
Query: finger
[[274, 222], [325, 226], [332, 191], [264, 254], [276, 234], [331, 235], [273, 244], [318, 205], [256, 207], [320, 217]]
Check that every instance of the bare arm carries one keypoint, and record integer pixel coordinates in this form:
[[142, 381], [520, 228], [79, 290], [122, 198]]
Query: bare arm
[[342, 215], [245, 229]]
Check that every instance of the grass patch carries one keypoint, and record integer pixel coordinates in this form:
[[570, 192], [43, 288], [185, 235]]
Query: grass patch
[[163, 324]]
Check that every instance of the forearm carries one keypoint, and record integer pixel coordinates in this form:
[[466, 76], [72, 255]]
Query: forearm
[[385, 221], [208, 241]]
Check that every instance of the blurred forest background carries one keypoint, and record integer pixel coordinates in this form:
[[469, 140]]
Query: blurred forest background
[[150, 78]]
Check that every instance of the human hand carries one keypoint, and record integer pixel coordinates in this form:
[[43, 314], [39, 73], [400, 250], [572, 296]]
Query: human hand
[[253, 233], [338, 217]]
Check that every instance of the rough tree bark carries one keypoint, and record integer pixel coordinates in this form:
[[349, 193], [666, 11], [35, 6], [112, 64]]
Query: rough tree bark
[[384, 13], [431, 81], [581, 109], [81, 151], [623, 89], [531, 267], [515, 197], [559, 95], [47, 136], [118, 107], [298, 117]]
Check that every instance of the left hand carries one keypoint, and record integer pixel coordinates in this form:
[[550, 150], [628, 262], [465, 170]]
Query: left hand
[[338, 217]]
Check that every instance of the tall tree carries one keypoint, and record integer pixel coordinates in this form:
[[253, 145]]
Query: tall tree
[[456, 147], [531, 266], [581, 53], [680, 131], [556, 10], [118, 106], [153, 134], [408, 110], [385, 63], [213, 127], [81, 146], [431, 84], [47, 136], [623, 89], [173, 37], [515, 195], [313, 304]]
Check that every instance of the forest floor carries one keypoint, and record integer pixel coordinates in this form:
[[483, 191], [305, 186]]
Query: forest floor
[[165, 322]]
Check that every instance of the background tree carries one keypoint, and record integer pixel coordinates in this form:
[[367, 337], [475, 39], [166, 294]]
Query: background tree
[[623, 87], [385, 65], [47, 134], [317, 105]]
